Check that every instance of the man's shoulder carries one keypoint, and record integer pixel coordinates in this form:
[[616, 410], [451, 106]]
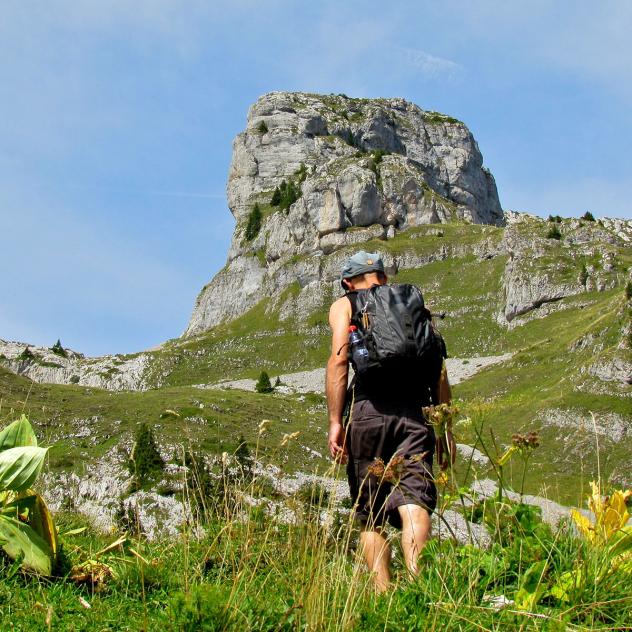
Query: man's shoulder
[[339, 305]]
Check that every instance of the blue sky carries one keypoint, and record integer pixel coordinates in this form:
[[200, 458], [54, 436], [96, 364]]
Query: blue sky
[[116, 122]]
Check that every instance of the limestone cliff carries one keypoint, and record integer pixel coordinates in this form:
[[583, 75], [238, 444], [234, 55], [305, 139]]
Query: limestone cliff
[[327, 172], [42, 364]]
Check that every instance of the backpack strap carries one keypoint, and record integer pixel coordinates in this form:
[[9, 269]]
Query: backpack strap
[[353, 299]]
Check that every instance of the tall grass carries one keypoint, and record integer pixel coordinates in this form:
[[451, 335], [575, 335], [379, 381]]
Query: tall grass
[[253, 558]]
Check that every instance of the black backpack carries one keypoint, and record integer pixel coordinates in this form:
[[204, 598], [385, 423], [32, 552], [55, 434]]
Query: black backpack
[[397, 331]]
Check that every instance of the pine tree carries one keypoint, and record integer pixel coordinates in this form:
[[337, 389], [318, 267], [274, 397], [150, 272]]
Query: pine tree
[[289, 194], [588, 216], [276, 197], [263, 385], [145, 461], [58, 349], [254, 223]]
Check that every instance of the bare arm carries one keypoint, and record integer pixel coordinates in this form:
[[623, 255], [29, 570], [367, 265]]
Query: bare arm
[[337, 375], [442, 394]]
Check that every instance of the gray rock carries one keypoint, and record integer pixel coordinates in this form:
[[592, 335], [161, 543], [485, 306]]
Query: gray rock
[[433, 173], [113, 372], [610, 425]]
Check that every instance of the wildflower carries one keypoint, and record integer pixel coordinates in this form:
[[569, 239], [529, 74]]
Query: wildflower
[[169, 413], [507, 454], [376, 468], [263, 426], [611, 516], [418, 457], [526, 443], [464, 423], [390, 472], [442, 479], [288, 437], [441, 417], [395, 469]]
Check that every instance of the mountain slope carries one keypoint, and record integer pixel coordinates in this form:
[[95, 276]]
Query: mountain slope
[[551, 294]]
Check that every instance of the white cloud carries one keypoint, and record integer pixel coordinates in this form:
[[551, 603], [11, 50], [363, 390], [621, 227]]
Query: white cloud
[[429, 65]]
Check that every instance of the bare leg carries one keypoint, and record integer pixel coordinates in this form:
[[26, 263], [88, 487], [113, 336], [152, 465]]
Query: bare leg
[[377, 554], [415, 533]]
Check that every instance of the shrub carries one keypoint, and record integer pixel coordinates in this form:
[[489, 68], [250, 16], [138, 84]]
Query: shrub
[[374, 161], [301, 172], [290, 192], [276, 197], [350, 139], [27, 354], [127, 519], [555, 218], [57, 349], [203, 608], [554, 232], [263, 385], [628, 290], [262, 128], [206, 491], [244, 458], [588, 216], [74, 379], [27, 530], [254, 223], [145, 461], [583, 275]]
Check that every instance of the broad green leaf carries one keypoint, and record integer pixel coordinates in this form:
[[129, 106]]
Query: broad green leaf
[[74, 531], [21, 504], [18, 434], [532, 588], [622, 541], [18, 539], [41, 521], [19, 467], [566, 583]]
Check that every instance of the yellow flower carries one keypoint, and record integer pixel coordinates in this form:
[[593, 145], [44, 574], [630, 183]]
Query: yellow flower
[[263, 426], [443, 478], [507, 455], [611, 516]]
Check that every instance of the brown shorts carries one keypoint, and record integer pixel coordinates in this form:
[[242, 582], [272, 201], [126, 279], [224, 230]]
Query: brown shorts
[[390, 461]]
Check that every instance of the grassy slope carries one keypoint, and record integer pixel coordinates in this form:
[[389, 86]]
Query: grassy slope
[[268, 577], [544, 372], [246, 573], [59, 412]]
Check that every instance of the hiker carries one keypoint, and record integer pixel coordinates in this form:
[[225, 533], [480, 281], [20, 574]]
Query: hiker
[[386, 442]]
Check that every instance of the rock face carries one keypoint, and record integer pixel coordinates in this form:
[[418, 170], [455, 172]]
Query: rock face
[[543, 270], [41, 364], [361, 168]]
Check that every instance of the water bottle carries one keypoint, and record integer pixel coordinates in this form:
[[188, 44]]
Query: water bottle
[[359, 352]]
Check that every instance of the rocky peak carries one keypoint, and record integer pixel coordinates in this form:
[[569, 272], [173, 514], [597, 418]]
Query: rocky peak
[[313, 173]]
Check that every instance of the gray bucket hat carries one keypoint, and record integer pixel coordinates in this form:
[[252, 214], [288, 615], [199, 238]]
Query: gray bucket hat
[[360, 263]]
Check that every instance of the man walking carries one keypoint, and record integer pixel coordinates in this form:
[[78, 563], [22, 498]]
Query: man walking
[[387, 443]]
